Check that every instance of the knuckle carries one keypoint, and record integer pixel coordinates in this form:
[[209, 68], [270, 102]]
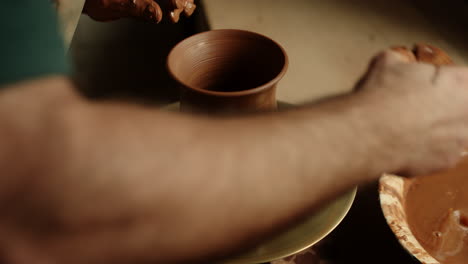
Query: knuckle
[[388, 57]]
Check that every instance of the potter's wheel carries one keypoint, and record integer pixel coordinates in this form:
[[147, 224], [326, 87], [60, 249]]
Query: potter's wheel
[[300, 237]]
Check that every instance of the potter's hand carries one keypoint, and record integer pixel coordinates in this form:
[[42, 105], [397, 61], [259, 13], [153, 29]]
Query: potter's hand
[[152, 10], [422, 106]]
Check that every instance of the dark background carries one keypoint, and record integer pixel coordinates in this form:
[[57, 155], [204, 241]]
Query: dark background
[[364, 236]]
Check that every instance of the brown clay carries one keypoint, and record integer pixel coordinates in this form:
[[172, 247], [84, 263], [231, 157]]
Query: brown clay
[[437, 211], [430, 54], [228, 71], [425, 53]]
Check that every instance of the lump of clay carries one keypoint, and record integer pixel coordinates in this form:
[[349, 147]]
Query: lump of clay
[[430, 54]]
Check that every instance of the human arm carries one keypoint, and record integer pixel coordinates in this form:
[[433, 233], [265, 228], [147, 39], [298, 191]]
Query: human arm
[[126, 184], [147, 163]]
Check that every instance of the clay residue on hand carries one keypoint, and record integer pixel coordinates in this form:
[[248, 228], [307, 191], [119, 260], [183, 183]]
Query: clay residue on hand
[[437, 211], [424, 53], [430, 54], [176, 8]]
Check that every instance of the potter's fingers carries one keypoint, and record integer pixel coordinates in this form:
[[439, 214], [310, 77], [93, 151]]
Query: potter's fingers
[[176, 4], [182, 6], [387, 58], [391, 57], [175, 15], [106, 10], [380, 61], [426, 53], [189, 7], [362, 81], [405, 52], [148, 10], [174, 8]]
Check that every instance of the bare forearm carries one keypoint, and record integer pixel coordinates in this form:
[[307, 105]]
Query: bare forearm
[[278, 168], [209, 180], [190, 187], [8, 142], [28, 111]]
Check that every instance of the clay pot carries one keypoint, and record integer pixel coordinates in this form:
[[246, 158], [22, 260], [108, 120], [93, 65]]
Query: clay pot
[[228, 71]]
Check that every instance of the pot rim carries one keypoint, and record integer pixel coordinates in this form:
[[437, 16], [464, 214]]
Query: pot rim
[[251, 91]]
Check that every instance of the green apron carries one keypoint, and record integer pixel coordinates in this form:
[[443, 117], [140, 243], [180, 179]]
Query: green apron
[[30, 42]]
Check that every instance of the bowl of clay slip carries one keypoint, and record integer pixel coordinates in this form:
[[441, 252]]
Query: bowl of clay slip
[[392, 192], [393, 189]]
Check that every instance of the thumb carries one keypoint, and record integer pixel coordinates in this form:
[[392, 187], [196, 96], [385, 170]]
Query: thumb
[[395, 55]]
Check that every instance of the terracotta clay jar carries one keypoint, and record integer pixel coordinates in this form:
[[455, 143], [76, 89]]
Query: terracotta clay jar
[[228, 71]]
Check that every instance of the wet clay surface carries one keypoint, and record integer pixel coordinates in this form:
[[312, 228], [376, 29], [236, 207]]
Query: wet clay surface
[[425, 53], [437, 210], [228, 71]]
